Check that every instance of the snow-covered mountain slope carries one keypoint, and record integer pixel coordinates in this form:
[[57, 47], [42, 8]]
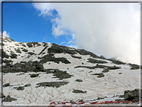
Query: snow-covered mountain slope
[[40, 73]]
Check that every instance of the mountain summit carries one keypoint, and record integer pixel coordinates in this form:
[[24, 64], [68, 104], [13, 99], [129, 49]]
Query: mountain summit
[[40, 73]]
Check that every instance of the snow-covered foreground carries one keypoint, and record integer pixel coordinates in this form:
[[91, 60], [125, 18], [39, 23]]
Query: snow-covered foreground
[[111, 84], [114, 82]]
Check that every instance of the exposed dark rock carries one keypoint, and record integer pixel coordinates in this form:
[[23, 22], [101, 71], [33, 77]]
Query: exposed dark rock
[[99, 75], [23, 62], [33, 66], [105, 70], [50, 57], [18, 50], [43, 50], [116, 61], [4, 54], [27, 85], [128, 96], [89, 67], [95, 61], [23, 45], [9, 99], [78, 91], [19, 88], [84, 52], [6, 85], [61, 74], [131, 95], [7, 62], [134, 66], [44, 44], [60, 49], [99, 98], [13, 55], [2, 95], [35, 44], [78, 80], [31, 53], [100, 66], [29, 44], [102, 57], [52, 84], [25, 50], [34, 75]]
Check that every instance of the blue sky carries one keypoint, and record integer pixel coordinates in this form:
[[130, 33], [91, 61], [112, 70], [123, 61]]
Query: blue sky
[[24, 24], [108, 29]]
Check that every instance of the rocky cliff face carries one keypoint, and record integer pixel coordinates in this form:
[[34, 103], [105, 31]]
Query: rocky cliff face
[[39, 73]]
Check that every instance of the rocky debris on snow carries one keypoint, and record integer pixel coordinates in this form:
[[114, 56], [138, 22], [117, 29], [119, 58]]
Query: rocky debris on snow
[[95, 61], [4, 54], [99, 66], [84, 52], [102, 57], [132, 95], [6, 85], [63, 49], [105, 70], [116, 61], [50, 57], [78, 91], [34, 75], [134, 66], [78, 80], [99, 98], [60, 49], [32, 66], [19, 88], [61, 74], [25, 50], [31, 53], [9, 99], [17, 50], [43, 50], [2, 95], [51, 84], [99, 75], [27, 85]]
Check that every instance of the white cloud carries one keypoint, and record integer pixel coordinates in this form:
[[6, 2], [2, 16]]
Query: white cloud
[[57, 31], [58, 28], [71, 43], [72, 46], [108, 29], [5, 34], [62, 43], [44, 8]]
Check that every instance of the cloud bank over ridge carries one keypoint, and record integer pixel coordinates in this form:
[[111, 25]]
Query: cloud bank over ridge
[[108, 29]]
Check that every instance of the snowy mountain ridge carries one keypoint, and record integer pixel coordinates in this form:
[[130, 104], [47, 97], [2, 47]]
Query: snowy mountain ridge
[[39, 73]]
